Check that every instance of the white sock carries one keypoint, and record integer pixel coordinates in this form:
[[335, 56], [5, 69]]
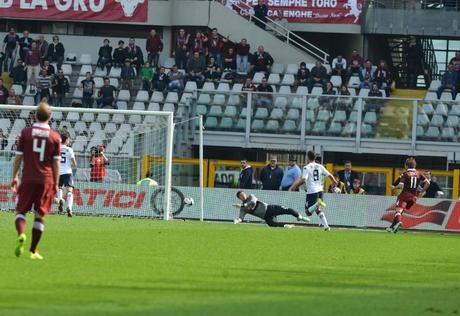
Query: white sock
[[70, 200], [313, 208], [59, 194], [323, 219]]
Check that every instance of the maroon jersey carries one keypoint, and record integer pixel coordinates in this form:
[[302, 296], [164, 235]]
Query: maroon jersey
[[411, 179], [39, 145]]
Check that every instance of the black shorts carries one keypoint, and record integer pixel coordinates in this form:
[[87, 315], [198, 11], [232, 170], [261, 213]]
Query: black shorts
[[312, 198], [66, 180]]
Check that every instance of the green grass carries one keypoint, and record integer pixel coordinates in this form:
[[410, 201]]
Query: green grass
[[100, 266]]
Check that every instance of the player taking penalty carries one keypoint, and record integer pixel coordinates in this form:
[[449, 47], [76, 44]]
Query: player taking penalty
[[66, 179], [410, 182], [39, 150], [311, 177]]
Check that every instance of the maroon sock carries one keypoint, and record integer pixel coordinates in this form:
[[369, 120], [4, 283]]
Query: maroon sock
[[395, 220], [20, 223], [37, 232]]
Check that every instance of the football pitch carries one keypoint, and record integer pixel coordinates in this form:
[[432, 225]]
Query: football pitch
[[113, 266]]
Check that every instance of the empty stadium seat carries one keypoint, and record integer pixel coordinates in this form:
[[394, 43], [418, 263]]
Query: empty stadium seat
[[288, 79], [96, 127], [73, 116], [452, 121], [336, 81], [293, 114], [139, 106], [201, 109], [437, 120], [354, 82], [420, 131], [319, 128], [135, 119], [441, 109], [209, 86], [422, 119], [258, 76], [17, 89], [169, 107], [244, 112], [172, 97], [432, 96], [349, 130], [169, 62], [240, 124], [5, 124], [219, 99], [237, 87], [446, 96], [447, 133], [302, 90], [110, 127], [85, 59], [292, 69], [215, 110], [296, 102], [118, 118], [211, 122], [364, 92], [230, 111], [233, 99], [154, 106], [204, 99], [272, 126], [434, 85], [366, 129], [257, 125], [261, 113], [335, 129], [317, 91], [142, 96], [428, 108], [455, 110], [310, 115], [323, 115], [115, 72], [277, 68], [353, 117], [274, 79], [28, 100], [87, 117], [186, 98], [281, 102], [79, 127], [277, 114], [340, 116], [124, 95], [84, 69], [226, 123], [432, 132], [289, 126], [223, 87], [370, 118], [284, 90], [71, 58], [98, 72], [157, 96], [122, 105], [190, 86]]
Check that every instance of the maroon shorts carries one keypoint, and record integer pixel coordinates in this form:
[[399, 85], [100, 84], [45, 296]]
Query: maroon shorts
[[406, 200], [36, 195]]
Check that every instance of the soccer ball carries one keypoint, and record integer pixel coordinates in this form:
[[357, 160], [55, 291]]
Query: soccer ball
[[337, 190], [188, 201]]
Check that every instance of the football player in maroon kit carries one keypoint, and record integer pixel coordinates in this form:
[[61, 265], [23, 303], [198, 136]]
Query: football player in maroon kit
[[39, 150], [412, 183]]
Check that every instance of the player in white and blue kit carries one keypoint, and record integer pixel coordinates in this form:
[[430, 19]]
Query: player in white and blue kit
[[312, 175], [66, 178]]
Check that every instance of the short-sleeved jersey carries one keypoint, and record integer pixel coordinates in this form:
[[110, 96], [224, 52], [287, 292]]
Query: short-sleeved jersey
[[98, 168], [313, 174], [40, 146], [411, 179], [67, 155]]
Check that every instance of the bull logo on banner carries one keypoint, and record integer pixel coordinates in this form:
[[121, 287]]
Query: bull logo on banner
[[129, 6], [354, 9]]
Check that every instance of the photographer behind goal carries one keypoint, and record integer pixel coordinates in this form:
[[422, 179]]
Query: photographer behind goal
[[252, 205], [98, 161]]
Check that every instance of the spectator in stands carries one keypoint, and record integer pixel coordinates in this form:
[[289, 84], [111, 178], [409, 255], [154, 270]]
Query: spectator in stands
[[13, 99], [43, 47], [339, 67], [107, 95], [271, 175], [196, 67], [32, 62], [344, 90], [3, 139], [212, 73], [133, 54], [434, 190], [175, 79], [147, 77], [229, 63], [318, 75], [382, 77], [356, 65], [105, 56], [375, 91], [24, 44], [215, 46], [246, 177], [181, 49], [266, 99], [260, 12], [291, 174], [367, 75], [3, 93], [43, 87], [261, 61], [89, 89], [61, 88], [248, 86], [456, 61], [127, 76], [119, 55], [154, 47], [347, 175], [329, 89], [449, 80], [357, 189], [160, 80], [19, 74], [338, 188], [414, 57], [303, 75], [2, 59], [50, 71], [198, 44], [56, 52], [10, 47], [98, 164], [242, 56]]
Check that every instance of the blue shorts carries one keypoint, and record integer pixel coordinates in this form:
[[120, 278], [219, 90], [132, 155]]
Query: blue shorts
[[312, 198], [66, 180]]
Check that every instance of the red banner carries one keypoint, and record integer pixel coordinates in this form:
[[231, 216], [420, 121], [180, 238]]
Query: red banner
[[304, 11], [95, 10]]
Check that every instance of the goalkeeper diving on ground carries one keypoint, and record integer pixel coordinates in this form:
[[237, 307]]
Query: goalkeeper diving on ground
[[252, 205]]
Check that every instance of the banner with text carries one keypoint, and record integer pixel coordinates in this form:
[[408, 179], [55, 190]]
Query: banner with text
[[88, 10], [342, 210], [304, 11]]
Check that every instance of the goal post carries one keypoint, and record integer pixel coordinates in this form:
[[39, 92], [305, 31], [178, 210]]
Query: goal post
[[124, 137]]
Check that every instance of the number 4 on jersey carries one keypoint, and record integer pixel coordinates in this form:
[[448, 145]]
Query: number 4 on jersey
[[39, 146]]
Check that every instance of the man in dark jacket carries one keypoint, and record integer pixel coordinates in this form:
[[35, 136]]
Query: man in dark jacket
[[56, 52], [434, 190], [347, 176], [133, 54], [449, 80], [154, 47], [318, 75], [60, 88], [261, 61], [271, 176], [196, 65], [105, 56], [19, 74], [119, 55], [414, 57], [246, 175], [260, 12]]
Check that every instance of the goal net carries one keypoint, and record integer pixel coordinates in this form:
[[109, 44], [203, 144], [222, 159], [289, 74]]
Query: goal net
[[128, 186]]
